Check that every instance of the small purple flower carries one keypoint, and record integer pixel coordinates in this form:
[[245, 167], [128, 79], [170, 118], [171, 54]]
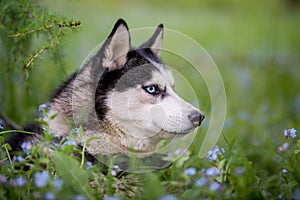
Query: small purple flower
[[202, 181], [296, 194], [1, 124], [286, 133], [215, 186], [212, 154], [20, 159], [42, 107], [213, 171], [185, 151], [20, 181], [168, 197], [79, 197], [239, 171], [26, 147], [58, 183], [293, 133], [284, 147], [70, 142], [190, 171], [49, 196], [177, 152], [3, 179], [89, 165], [111, 198], [117, 168], [37, 195], [284, 171], [41, 179], [113, 172]]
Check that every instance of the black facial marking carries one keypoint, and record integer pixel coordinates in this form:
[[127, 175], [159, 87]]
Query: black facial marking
[[136, 71]]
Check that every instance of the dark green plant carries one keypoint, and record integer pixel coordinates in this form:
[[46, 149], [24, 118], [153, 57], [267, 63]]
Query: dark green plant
[[27, 33]]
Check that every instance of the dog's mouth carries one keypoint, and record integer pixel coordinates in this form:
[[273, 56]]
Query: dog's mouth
[[173, 133], [177, 133]]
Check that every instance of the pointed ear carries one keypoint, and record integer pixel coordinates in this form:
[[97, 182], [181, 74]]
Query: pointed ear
[[117, 46], [155, 42]]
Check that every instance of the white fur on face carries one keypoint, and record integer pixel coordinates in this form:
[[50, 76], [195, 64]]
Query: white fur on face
[[140, 114]]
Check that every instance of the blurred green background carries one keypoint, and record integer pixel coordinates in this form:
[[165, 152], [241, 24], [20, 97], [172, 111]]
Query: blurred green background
[[255, 44]]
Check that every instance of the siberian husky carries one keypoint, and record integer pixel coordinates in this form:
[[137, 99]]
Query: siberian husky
[[124, 97]]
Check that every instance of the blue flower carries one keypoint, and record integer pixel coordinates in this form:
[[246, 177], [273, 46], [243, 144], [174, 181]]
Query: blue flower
[[26, 147], [168, 197], [49, 196], [214, 186], [70, 142], [239, 171], [202, 181], [286, 133], [20, 159], [41, 179], [292, 132], [213, 171], [89, 165], [284, 171], [1, 124], [296, 194], [284, 147], [42, 107], [212, 154], [58, 184], [177, 152], [3, 179], [20, 181], [190, 171], [79, 197], [111, 198], [116, 167], [113, 172]]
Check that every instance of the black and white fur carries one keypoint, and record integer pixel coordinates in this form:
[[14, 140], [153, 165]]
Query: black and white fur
[[124, 96]]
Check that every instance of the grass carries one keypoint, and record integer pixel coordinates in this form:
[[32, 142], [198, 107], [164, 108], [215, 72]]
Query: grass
[[255, 46]]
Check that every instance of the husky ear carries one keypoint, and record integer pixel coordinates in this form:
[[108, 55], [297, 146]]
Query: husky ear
[[155, 42], [117, 46]]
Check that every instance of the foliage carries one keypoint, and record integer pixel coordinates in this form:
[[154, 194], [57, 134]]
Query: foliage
[[27, 31], [50, 170], [256, 46]]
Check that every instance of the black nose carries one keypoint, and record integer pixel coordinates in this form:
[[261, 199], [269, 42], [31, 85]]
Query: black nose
[[196, 118]]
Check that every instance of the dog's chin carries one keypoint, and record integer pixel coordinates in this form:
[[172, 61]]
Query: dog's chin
[[170, 134]]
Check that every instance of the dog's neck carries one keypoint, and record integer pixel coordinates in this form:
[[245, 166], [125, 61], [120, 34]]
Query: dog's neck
[[131, 140]]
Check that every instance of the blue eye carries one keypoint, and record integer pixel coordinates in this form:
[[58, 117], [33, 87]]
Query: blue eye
[[152, 89]]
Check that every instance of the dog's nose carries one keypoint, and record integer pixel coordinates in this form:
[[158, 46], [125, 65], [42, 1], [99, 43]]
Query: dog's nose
[[196, 118]]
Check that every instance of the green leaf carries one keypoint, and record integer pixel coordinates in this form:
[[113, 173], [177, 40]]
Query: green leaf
[[7, 146], [53, 116], [72, 175], [1, 139]]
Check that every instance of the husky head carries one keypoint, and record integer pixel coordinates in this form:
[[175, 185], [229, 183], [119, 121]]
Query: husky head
[[135, 94]]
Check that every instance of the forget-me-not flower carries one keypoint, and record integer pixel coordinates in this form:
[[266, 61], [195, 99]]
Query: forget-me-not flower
[[20, 181], [212, 154], [49, 196], [41, 179], [213, 171], [292, 133], [168, 197], [58, 183], [190, 171], [202, 181]]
